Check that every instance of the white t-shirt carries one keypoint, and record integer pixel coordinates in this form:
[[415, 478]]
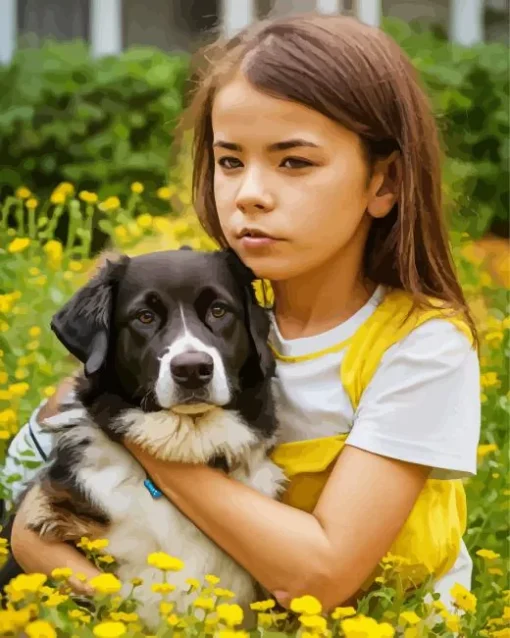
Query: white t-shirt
[[421, 406]]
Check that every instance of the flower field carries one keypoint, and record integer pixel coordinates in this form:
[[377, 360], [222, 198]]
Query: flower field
[[40, 269]]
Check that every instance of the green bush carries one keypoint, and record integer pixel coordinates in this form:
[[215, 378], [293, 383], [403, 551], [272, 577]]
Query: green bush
[[469, 90], [102, 124]]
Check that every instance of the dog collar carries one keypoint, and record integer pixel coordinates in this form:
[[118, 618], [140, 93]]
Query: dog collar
[[151, 488]]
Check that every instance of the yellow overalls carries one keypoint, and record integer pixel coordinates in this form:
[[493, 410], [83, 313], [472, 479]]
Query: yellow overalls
[[431, 537]]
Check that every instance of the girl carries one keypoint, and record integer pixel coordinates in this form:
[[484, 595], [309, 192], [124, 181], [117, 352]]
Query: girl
[[317, 161]]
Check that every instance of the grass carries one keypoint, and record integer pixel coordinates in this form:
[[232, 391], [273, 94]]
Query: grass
[[39, 273]]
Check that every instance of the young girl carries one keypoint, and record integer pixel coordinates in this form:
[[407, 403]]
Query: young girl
[[317, 161]]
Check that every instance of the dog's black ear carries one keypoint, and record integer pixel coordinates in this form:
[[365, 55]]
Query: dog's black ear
[[256, 317], [83, 323]]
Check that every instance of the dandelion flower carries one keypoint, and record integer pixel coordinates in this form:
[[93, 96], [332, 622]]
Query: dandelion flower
[[40, 629], [165, 562], [464, 599], [106, 584], [409, 618], [487, 554], [306, 605], [18, 245], [137, 187], [231, 615], [110, 630], [343, 612]]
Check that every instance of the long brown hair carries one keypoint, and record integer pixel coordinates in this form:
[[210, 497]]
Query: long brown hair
[[359, 77]]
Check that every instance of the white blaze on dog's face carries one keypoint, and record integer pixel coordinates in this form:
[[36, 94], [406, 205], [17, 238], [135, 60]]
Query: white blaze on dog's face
[[191, 367]]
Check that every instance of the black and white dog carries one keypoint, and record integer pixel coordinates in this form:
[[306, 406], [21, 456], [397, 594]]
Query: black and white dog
[[174, 347]]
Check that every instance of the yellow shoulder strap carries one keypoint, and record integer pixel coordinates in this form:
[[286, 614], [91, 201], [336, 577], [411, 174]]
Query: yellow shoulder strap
[[387, 325]]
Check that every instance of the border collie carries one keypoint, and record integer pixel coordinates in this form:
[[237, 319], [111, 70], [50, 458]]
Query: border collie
[[174, 347]]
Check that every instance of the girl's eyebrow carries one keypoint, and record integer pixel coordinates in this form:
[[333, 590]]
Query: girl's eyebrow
[[277, 146]]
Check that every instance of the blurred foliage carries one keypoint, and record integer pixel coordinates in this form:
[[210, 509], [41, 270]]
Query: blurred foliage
[[99, 123], [469, 90]]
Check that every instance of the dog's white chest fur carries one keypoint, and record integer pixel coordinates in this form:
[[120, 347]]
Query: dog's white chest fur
[[114, 481]]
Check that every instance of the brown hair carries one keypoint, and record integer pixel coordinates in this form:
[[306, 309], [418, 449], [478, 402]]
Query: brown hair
[[359, 77]]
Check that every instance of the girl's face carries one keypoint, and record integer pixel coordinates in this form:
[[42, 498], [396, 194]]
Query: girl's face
[[289, 173]]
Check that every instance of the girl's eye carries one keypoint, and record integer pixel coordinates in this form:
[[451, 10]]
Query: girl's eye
[[145, 317], [298, 163], [218, 310], [224, 160]]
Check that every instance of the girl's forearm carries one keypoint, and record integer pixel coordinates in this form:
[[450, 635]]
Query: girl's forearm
[[35, 554], [290, 556]]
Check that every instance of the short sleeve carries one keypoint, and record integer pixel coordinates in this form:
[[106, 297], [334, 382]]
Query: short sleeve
[[28, 451], [423, 403]]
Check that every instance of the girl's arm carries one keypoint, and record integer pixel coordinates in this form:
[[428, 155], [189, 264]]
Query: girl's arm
[[34, 554], [327, 554]]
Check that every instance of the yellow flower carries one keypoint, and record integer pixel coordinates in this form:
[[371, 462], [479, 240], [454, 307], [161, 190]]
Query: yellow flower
[[18, 245], [98, 544], [87, 197], [134, 230], [136, 582], [55, 599], [144, 221], [193, 583], [110, 630], [363, 627], [343, 612], [106, 584], [203, 603], [409, 617], [54, 250], [75, 266], [110, 203], [34, 332], [165, 192], [306, 605], [223, 593], [165, 607], [487, 554], [485, 449], [32, 203], [162, 588], [495, 571], [106, 559], [211, 579], [173, 620], [165, 562], [490, 380], [265, 620], [18, 389], [262, 605], [313, 622], [49, 391], [58, 197], [23, 192], [464, 599], [21, 373], [452, 622], [231, 615], [27, 583], [40, 629], [137, 187]]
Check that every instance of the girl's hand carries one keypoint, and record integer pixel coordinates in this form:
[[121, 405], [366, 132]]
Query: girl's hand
[[34, 554]]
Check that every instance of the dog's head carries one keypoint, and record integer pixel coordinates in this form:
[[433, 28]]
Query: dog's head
[[174, 330]]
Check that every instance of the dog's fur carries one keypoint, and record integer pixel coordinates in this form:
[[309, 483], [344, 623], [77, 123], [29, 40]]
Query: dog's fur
[[132, 389]]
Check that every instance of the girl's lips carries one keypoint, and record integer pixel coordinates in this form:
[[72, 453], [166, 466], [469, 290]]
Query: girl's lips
[[257, 242]]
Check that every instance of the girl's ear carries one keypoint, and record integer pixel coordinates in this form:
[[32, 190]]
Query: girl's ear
[[385, 185]]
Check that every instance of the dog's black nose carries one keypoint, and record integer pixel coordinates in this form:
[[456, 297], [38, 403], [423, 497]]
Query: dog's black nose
[[192, 369]]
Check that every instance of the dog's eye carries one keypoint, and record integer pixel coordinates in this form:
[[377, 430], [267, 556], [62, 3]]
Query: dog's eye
[[218, 310], [145, 316]]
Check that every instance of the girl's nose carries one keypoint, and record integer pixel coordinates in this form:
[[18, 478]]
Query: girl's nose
[[253, 195]]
